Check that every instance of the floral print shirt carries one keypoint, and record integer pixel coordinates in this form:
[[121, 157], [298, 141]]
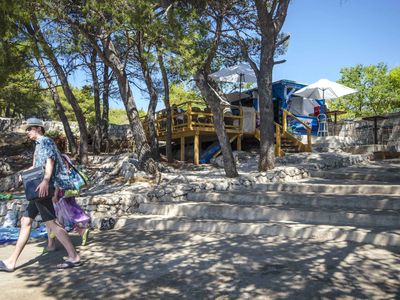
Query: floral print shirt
[[46, 148]]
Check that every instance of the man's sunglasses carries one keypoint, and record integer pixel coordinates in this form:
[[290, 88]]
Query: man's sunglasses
[[29, 129]]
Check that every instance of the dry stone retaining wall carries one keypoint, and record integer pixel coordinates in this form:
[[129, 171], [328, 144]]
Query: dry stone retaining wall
[[120, 136], [361, 131]]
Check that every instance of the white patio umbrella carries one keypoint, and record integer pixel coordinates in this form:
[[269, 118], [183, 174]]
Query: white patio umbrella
[[239, 73], [324, 89]]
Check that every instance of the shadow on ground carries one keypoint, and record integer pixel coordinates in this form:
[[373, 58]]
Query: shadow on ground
[[170, 265]]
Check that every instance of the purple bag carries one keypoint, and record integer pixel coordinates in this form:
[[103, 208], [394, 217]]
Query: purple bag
[[70, 214]]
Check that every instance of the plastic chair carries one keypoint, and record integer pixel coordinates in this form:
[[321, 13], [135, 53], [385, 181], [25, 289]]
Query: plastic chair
[[322, 125]]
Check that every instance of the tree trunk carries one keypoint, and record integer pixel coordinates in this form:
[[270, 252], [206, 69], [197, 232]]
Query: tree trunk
[[209, 93], [57, 102], [150, 119], [271, 16], [110, 58], [96, 93], [105, 114], [8, 110], [168, 147], [83, 145], [267, 125]]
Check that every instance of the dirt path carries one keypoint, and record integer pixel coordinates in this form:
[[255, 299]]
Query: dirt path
[[169, 265]]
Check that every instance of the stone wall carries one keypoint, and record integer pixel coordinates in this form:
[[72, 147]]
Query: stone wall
[[120, 135], [118, 199], [98, 207], [9, 124], [361, 131], [117, 202]]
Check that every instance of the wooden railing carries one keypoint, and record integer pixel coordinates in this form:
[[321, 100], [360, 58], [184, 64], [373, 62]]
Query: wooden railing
[[191, 116], [285, 116]]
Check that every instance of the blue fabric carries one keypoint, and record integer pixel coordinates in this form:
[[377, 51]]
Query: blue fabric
[[10, 234], [299, 128], [210, 151]]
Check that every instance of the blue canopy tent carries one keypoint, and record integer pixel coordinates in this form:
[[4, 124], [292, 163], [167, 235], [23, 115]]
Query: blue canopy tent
[[282, 94]]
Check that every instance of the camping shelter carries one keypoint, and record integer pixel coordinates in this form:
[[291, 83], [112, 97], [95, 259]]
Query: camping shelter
[[283, 98]]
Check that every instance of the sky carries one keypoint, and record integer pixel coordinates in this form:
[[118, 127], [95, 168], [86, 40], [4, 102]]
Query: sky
[[327, 35]]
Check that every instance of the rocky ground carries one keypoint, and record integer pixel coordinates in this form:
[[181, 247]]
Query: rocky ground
[[118, 186]]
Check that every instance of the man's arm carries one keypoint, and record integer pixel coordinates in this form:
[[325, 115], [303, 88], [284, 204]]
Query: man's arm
[[43, 187]]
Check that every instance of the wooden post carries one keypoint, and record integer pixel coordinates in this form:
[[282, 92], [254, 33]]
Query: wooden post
[[241, 120], [309, 140], [189, 113], [284, 121], [182, 148], [239, 142], [196, 148], [278, 140]]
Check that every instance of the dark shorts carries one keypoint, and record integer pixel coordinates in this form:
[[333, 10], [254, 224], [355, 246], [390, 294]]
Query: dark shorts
[[43, 207]]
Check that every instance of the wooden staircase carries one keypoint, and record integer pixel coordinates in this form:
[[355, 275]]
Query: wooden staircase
[[285, 142]]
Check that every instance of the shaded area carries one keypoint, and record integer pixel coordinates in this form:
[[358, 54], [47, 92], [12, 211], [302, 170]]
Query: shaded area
[[17, 156], [168, 265]]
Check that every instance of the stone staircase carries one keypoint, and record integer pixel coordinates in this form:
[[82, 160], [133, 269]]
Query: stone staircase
[[359, 203]]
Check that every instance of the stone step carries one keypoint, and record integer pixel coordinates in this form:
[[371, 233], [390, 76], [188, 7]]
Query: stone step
[[379, 237], [224, 211], [250, 197], [330, 186], [392, 177]]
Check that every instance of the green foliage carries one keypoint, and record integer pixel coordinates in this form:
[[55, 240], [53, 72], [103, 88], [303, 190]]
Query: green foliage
[[378, 90], [85, 100], [179, 94], [54, 134], [20, 95], [118, 116]]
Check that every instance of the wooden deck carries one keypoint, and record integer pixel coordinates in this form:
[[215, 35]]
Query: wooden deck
[[192, 123]]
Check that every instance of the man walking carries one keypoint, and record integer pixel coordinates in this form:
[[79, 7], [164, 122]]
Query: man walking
[[46, 155]]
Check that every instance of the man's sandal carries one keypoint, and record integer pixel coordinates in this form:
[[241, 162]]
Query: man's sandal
[[67, 264], [4, 268]]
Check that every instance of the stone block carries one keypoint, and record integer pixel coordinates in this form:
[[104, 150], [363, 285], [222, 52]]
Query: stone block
[[103, 208], [3, 210]]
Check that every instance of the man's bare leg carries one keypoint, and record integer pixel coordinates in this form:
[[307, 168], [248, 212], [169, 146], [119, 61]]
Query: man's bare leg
[[64, 239], [26, 226], [51, 240]]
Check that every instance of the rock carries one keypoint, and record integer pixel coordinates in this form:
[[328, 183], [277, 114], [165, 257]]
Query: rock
[[221, 186], [141, 199], [9, 183], [129, 168]]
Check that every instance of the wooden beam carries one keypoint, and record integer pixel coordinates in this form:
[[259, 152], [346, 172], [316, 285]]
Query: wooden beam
[[220, 150], [189, 114], [182, 148], [239, 142], [196, 146]]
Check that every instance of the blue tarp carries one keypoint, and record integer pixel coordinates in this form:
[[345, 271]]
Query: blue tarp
[[299, 129], [283, 89], [10, 234], [210, 151]]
